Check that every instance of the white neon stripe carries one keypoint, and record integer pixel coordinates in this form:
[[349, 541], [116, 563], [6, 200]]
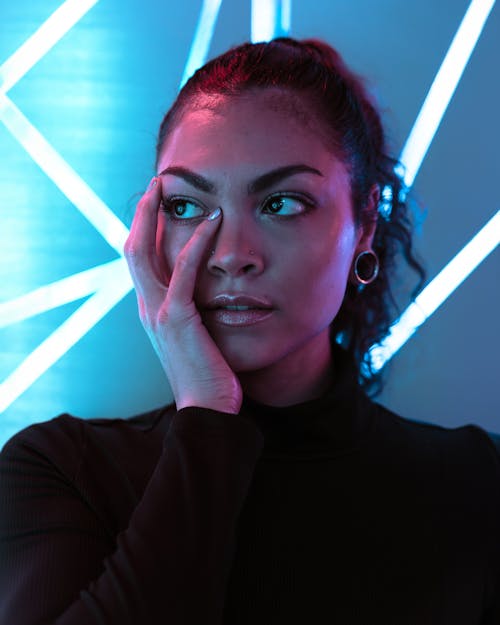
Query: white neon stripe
[[264, 18], [42, 40], [443, 87], [461, 266], [286, 16], [437, 291], [69, 182], [202, 38], [65, 336], [270, 19], [58, 293], [400, 332]]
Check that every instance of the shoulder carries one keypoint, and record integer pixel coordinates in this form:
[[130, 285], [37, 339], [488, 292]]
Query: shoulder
[[65, 439], [58, 441], [465, 454], [495, 440], [470, 436]]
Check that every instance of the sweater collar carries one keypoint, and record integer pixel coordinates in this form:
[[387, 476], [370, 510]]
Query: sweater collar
[[335, 422]]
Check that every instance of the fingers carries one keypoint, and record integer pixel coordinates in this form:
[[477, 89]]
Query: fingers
[[140, 245], [183, 280], [156, 302]]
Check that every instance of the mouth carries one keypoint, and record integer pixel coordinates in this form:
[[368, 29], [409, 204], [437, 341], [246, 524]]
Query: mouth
[[237, 310], [236, 316], [237, 301]]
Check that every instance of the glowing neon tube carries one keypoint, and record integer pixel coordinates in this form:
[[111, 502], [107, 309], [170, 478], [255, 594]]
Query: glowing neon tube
[[66, 335], [58, 293], [45, 38], [443, 87], [69, 182], [202, 38], [437, 291], [270, 19]]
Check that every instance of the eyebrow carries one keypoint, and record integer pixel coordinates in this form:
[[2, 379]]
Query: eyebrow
[[191, 177], [261, 183]]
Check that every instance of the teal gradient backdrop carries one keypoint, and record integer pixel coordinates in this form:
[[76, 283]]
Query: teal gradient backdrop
[[98, 97]]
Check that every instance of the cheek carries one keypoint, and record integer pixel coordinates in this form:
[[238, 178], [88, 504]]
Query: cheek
[[331, 255], [329, 273]]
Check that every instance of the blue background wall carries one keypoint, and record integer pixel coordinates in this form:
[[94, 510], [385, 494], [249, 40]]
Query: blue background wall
[[98, 97]]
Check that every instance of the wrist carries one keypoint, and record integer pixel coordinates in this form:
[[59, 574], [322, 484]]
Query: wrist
[[230, 407]]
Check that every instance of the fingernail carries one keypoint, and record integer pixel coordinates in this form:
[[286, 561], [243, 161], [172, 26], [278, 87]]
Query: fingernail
[[153, 183], [216, 213]]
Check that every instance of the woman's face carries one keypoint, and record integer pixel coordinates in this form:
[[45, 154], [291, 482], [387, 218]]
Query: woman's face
[[287, 237]]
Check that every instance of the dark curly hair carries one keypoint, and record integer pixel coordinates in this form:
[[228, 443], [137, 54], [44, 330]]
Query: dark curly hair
[[317, 72]]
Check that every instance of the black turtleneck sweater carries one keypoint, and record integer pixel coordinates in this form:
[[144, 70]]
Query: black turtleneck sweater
[[331, 511]]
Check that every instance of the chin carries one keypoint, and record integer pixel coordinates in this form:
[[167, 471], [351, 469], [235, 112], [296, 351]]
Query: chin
[[244, 358], [244, 362]]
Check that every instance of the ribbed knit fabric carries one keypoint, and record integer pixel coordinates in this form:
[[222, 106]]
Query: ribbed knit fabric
[[332, 511]]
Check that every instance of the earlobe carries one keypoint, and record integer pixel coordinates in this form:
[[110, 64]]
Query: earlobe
[[365, 268]]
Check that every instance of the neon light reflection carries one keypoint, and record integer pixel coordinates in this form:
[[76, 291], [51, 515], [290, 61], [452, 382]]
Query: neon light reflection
[[437, 291]]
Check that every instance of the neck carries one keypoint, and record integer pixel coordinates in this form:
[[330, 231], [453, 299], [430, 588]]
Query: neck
[[298, 377]]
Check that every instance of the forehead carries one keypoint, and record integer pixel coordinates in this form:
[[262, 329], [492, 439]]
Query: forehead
[[257, 125], [283, 102]]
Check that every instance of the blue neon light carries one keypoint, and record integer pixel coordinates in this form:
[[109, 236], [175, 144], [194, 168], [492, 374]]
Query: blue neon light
[[412, 156], [270, 19], [108, 283], [37, 46], [70, 289], [443, 88], [69, 182], [437, 291], [202, 38], [66, 335]]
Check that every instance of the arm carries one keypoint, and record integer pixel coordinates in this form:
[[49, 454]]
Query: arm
[[171, 564]]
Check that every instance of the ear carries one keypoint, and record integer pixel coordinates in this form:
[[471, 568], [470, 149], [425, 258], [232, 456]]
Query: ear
[[366, 229], [368, 222]]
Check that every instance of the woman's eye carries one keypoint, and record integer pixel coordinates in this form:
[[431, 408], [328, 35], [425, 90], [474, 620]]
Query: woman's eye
[[180, 208], [284, 205]]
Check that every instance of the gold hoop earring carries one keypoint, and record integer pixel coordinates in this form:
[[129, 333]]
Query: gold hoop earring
[[366, 267]]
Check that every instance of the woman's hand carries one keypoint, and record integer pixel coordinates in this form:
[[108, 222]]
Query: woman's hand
[[195, 367]]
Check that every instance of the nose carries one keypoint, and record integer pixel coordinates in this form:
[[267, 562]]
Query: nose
[[236, 249]]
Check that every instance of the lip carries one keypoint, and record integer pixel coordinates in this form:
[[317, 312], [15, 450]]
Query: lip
[[237, 310], [237, 318], [225, 300]]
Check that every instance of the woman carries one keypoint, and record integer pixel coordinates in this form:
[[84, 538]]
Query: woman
[[273, 490]]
